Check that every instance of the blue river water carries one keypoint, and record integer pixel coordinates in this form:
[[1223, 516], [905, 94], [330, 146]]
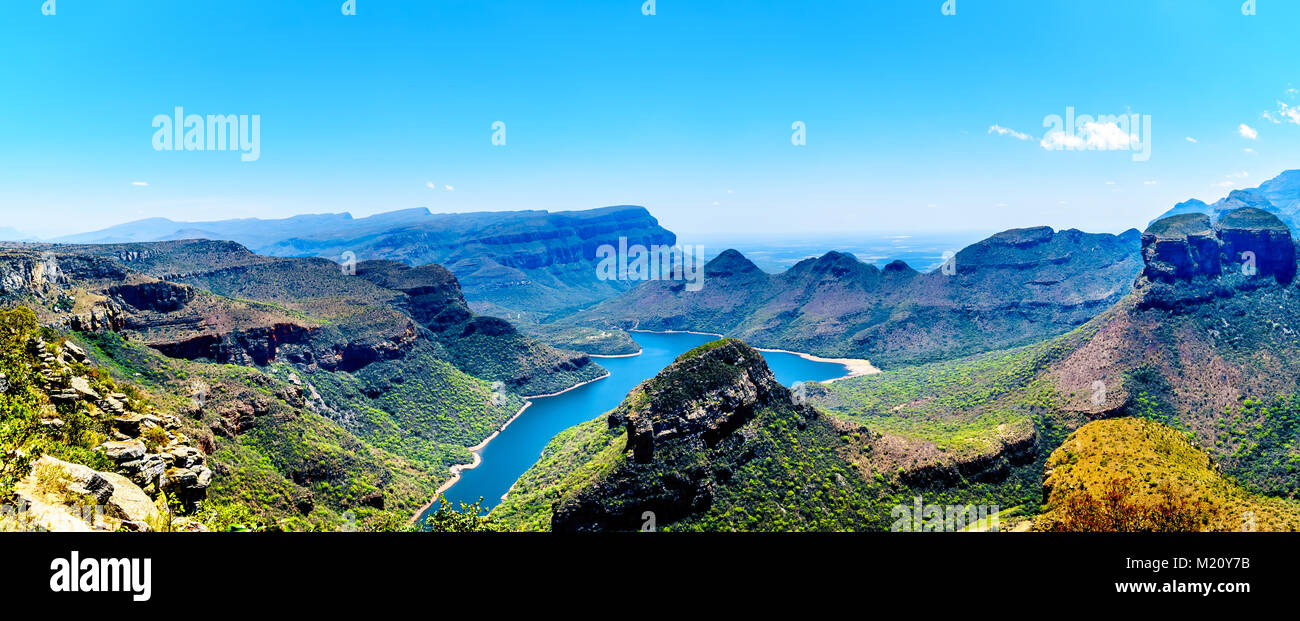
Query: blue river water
[[519, 446]]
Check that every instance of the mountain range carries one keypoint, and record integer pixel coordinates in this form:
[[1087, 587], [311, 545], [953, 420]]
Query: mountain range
[[1175, 409], [509, 263], [1279, 196], [1049, 380], [1016, 287]]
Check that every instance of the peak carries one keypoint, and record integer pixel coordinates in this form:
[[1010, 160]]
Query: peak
[[1243, 198], [836, 257], [730, 262], [703, 395], [1021, 237], [898, 265]]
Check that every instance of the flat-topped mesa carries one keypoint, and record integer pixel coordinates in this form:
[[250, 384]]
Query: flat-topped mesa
[[1181, 247], [1246, 240], [1249, 230], [704, 395]]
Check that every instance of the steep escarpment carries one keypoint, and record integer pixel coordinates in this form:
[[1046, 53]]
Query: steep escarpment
[[318, 392], [1188, 246], [1013, 288], [485, 347], [1205, 343], [526, 263]]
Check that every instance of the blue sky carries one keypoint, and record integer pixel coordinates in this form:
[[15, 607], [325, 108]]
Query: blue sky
[[687, 112]]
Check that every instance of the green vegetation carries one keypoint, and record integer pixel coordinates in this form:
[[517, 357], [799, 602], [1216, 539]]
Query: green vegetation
[[1130, 474]]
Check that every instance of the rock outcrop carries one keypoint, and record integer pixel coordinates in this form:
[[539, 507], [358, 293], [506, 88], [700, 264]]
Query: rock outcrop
[[147, 448], [67, 497], [688, 433], [699, 400], [1247, 240]]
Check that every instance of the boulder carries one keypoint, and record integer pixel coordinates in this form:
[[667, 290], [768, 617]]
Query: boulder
[[75, 351], [129, 450], [68, 478], [82, 386], [128, 502]]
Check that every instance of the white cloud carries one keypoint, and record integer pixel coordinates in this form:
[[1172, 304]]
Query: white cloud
[[449, 188], [1247, 132], [1149, 182], [716, 203], [1248, 150], [431, 185], [1093, 135], [1192, 140], [141, 184], [1110, 183], [1290, 114], [1233, 180], [1006, 131]]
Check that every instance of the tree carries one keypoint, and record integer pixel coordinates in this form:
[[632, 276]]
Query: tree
[[469, 518]]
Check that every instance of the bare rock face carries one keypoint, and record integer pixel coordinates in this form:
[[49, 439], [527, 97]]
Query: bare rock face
[[1247, 240], [686, 434], [1251, 232], [1180, 248], [699, 400]]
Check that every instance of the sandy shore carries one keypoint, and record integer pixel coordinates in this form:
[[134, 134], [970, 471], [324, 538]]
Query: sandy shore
[[857, 366], [476, 450], [578, 385], [613, 355]]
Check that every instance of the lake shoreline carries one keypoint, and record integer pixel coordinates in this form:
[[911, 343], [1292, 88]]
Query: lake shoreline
[[614, 355], [853, 367], [857, 367], [476, 450]]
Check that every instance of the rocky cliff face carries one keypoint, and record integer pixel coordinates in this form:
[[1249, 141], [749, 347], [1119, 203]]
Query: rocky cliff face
[[1247, 240], [150, 455], [216, 301], [699, 400]]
